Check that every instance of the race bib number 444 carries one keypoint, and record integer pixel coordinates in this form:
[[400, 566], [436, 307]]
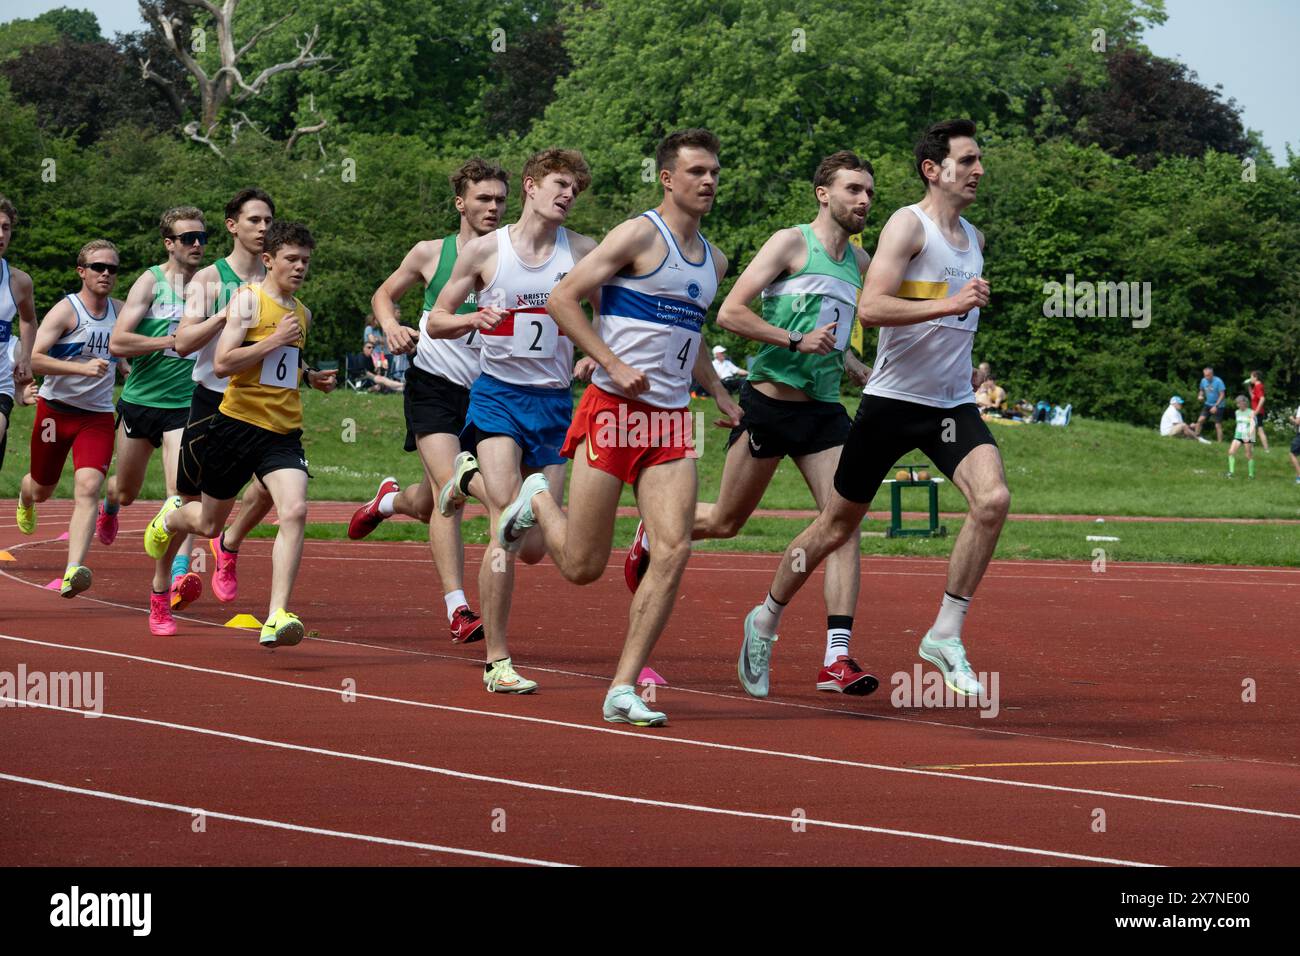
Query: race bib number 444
[[280, 367]]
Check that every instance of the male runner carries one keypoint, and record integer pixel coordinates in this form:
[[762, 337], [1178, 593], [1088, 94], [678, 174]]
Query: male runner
[[924, 291], [155, 402], [15, 302], [248, 215], [519, 406], [437, 390], [809, 277], [258, 426], [75, 409], [655, 276]]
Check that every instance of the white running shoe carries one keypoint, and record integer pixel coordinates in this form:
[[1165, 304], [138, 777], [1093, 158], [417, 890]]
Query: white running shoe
[[950, 657]]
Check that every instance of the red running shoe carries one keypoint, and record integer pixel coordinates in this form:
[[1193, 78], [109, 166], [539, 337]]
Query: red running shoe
[[367, 517], [106, 526], [846, 677], [186, 589], [466, 626], [225, 583], [638, 559], [160, 616]]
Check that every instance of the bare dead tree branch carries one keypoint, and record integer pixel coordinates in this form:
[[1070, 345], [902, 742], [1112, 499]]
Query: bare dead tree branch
[[303, 130], [148, 74], [261, 33], [304, 60], [192, 131]]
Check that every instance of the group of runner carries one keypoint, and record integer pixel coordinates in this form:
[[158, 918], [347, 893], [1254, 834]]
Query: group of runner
[[488, 404]]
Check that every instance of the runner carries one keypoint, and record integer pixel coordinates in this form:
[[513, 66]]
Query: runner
[[75, 409], [15, 302], [809, 277], [924, 290], [437, 391], [520, 405], [655, 276], [153, 407], [248, 215], [258, 426]]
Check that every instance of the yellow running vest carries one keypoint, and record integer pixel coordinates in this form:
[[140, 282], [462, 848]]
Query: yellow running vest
[[266, 394]]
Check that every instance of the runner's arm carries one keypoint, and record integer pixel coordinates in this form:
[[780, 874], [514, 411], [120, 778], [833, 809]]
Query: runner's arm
[[125, 342], [20, 285], [198, 326], [478, 256], [880, 305], [402, 338], [784, 252], [232, 355], [57, 322]]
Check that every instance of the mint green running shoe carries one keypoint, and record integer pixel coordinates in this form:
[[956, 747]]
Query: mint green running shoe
[[949, 655], [518, 516], [755, 658], [623, 705]]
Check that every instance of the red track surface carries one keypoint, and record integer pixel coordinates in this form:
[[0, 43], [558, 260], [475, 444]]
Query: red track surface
[[1119, 691]]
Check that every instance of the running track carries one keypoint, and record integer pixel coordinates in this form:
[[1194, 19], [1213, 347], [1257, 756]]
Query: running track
[[1119, 691]]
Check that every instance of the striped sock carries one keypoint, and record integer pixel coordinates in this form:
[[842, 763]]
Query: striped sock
[[838, 630]]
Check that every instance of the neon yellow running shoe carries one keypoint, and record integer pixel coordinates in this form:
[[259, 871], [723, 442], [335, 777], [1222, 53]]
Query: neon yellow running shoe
[[75, 580], [26, 518], [282, 629], [156, 536], [500, 677]]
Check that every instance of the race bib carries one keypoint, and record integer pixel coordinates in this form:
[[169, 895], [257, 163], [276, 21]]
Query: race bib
[[280, 367], [171, 330], [841, 313], [6, 329], [679, 353], [474, 340], [96, 344], [535, 336]]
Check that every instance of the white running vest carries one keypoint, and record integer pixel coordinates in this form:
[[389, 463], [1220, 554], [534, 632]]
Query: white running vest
[[456, 360], [652, 322], [8, 312], [203, 373], [527, 347], [930, 363], [88, 340]]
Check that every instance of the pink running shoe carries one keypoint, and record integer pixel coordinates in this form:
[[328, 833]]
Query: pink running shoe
[[160, 615], [224, 583], [106, 526]]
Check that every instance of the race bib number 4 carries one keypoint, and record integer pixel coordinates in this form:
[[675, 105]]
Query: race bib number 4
[[833, 310], [535, 336], [680, 352], [280, 367]]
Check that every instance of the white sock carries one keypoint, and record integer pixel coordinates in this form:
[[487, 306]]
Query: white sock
[[952, 613], [455, 600], [838, 631], [386, 504], [768, 618]]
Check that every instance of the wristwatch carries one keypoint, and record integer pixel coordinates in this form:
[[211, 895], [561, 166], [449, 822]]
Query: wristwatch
[[795, 339]]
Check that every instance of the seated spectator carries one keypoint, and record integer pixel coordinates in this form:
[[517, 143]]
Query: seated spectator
[[990, 396], [1172, 424], [375, 373], [731, 374], [981, 375]]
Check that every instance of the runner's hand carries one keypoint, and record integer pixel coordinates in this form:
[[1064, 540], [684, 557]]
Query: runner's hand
[[819, 341], [95, 368], [323, 381], [487, 318], [973, 295], [731, 412], [583, 370], [631, 382], [402, 339], [287, 332]]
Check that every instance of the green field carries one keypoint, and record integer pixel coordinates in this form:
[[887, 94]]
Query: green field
[[1093, 468]]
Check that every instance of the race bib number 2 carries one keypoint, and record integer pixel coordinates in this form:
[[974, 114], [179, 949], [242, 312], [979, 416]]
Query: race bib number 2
[[833, 310], [535, 336], [280, 367]]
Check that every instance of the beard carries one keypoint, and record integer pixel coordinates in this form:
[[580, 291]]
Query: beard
[[847, 220]]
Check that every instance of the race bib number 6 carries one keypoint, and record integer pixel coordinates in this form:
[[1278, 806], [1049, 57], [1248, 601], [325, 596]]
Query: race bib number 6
[[280, 367]]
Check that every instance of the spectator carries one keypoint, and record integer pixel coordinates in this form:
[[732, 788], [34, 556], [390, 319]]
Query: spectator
[[1295, 445], [1172, 424], [990, 396], [730, 373], [375, 373], [1211, 392], [981, 375], [1243, 435], [1257, 406]]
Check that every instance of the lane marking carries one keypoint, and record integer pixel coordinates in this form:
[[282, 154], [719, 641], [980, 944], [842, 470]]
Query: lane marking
[[275, 824], [661, 738], [1048, 763], [785, 820]]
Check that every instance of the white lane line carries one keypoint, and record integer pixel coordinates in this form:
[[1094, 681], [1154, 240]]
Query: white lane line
[[276, 824], [662, 738], [598, 794]]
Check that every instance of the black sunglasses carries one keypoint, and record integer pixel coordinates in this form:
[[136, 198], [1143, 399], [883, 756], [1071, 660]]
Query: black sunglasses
[[191, 238], [108, 267]]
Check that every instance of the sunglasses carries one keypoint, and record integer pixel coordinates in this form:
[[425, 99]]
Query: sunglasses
[[191, 238], [108, 267]]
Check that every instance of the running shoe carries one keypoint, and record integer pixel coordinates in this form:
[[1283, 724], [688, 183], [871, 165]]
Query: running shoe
[[27, 518], [637, 561], [518, 516], [466, 626], [75, 580], [846, 677], [949, 655], [106, 526], [282, 629], [624, 706], [367, 518], [160, 616], [225, 585], [755, 658], [156, 536], [451, 496], [500, 677], [186, 589]]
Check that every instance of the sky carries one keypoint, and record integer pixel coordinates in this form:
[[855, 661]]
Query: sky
[[1246, 45]]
